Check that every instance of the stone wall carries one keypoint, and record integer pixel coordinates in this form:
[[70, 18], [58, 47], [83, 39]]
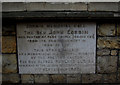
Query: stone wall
[[107, 57]]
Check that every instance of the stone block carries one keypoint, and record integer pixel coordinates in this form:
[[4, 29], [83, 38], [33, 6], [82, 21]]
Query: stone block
[[103, 6], [26, 78], [103, 52], [109, 78], [8, 44], [8, 29], [13, 6], [9, 63], [92, 78], [57, 78], [41, 78], [55, 6], [118, 76], [118, 30], [119, 59], [114, 52], [108, 42], [74, 78], [10, 78], [107, 64], [106, 29]]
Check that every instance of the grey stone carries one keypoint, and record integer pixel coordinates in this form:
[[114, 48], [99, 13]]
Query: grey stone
[[26, 78], [10, 78], [75, 78], [103, 6], [106, 29], [107, 64], [13, 6], [56, 6], [92, 78], [41, 78], [9, 64], [103, 52]]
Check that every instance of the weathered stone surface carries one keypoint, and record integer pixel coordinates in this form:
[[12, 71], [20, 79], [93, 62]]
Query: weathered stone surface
[[106, 29], [9, 64], [8, 44], [108, 42], [119, 60], [10, 78], [118, 29], [54, 6], [8, 29], [103, 52], [92, 78], [57, 78], [114, 52], [107, 64], [41, 78], [103, 6], [27, 78], [13, 6], [75, 78], [109, 78], [118, 76]]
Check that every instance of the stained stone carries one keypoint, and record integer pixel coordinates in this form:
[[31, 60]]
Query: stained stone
[[108, 42], [107, 64], [58, 78], [8, 44], [9, 64], [27, 78], [103, 52], [118, 76], [41, 78], [106, 29], [92, 78], [10, 78], [109, 78], [118, 29], [114, 52], [75, 78]]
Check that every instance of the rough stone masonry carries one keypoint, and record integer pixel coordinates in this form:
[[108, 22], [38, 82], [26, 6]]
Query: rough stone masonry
[[106, 16]]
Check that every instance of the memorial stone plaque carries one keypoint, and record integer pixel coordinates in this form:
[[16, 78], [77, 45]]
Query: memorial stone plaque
[[56, 48]]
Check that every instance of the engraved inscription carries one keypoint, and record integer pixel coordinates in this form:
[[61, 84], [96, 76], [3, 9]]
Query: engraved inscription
[[56, 48]]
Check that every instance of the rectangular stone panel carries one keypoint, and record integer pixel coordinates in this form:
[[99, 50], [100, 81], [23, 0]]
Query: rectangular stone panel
[[56, 48]]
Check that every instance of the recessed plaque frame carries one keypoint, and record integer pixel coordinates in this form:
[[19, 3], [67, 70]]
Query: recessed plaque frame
[[56, 48]]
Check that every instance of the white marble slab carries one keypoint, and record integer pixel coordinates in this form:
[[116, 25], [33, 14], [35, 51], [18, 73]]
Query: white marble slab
[[56, 48]]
